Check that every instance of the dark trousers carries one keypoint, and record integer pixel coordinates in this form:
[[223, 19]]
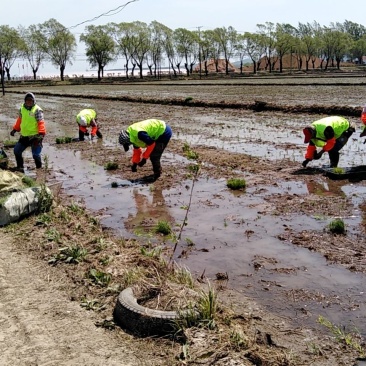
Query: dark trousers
[[22, 144], [340, 142], [160, 145]]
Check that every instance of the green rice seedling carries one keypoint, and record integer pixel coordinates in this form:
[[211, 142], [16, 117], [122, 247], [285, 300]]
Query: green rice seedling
[[114, 184], [338, 170], [99, 277], [75, 208], [337, 226], [45, 199], [64, 216], [101, 244], [350, 339], [9, 143], [194, 168], [208, 307], [238, 340], [60, 140], [44, 219], [236, 183], [93, 304], [163, 227], [131, 276], [28, 181], [186, 147], [104, 261], [192, 155], [183, 276], [111, 166], [53, 235], [94, 221], [67, 139], [189, 153], [187, 318], [69, 254], [188, 99], [151, 252]]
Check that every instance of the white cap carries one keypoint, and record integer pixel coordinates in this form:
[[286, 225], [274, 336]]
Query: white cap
[[82, 121]]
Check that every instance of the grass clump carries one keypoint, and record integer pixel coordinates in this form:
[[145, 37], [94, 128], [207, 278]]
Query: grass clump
[[63, 140], [338, 170], [350, 339], [9, 143], [69, 254], [28, 181], [337, 226], [99, 277], [189, 153], [163, 227], [111, 165], [236, 183]]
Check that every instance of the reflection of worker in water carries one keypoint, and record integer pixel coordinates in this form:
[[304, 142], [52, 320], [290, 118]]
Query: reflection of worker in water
[[152, 210], [85, 119], [153, 135], [329, 133], [329, 188]]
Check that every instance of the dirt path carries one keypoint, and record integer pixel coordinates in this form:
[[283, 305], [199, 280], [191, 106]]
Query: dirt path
[[38, 323]]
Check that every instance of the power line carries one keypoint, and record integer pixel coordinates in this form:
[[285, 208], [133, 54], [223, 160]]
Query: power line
[[107, 14]]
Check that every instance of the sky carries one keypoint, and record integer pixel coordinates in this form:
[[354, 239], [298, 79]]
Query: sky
[[242, 15]]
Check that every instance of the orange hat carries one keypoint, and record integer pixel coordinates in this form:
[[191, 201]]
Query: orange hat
[[309, 134]]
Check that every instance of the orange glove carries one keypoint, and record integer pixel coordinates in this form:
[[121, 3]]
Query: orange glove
[[148, 151], [136, 155], [310, 151]]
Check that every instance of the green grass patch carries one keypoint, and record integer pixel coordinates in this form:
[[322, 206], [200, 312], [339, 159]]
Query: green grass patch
[[337, 226], [236, 183]]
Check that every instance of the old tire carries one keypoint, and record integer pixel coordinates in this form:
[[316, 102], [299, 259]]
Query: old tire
[[140, 320]]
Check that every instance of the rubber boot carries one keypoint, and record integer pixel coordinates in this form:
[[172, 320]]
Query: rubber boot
[[38, 162], [334, 159], [20, 163], [157, 173], [81, 136], [99, 134]]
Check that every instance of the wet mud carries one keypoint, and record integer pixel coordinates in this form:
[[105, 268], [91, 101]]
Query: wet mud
[[269, 242]]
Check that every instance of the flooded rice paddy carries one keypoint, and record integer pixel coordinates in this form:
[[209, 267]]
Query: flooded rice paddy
[[238, 234]]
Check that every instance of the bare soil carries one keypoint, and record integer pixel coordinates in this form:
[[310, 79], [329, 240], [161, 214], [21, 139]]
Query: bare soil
[[54, 313]]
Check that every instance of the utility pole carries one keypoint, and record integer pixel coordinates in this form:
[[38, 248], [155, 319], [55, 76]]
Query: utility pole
[[199, 49]]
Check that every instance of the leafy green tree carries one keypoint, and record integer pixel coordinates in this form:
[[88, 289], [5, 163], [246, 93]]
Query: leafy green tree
[[342, 46], [356, 31], [255, 47], [140, 44], [32, 49], [100, 47], [122, 35], [285, 41], [227, 39], [358, 49], [206, 39], [185, 42], [305, 35], [60, 44], [10, 49], [159, 34], [268, 33]]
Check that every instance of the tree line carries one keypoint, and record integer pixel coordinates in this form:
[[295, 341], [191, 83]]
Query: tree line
[[140, 44]]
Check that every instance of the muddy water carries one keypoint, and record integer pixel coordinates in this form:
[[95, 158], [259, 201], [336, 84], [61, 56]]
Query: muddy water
[[226, 233]]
